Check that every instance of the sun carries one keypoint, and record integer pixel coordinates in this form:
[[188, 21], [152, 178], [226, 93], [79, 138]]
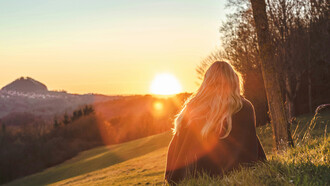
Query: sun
[[165, 84]]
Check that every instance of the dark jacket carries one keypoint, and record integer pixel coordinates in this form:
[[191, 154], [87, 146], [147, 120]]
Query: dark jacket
[[189, 153]]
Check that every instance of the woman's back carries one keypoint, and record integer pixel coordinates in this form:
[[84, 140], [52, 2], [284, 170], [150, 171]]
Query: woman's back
[[190, 153]]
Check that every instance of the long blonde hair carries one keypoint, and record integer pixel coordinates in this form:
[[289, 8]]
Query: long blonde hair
[[214, 103]]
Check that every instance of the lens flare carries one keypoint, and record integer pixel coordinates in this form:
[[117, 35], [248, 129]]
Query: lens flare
[[158, 106]]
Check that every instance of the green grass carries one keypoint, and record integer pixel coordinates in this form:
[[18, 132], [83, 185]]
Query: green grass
[[142, 162], [306, 164], [123, 163]]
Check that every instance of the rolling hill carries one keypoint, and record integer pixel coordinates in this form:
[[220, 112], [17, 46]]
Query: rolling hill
[[139, 161]]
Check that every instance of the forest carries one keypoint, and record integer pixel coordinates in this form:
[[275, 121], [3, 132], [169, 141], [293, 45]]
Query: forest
[[299, 40]]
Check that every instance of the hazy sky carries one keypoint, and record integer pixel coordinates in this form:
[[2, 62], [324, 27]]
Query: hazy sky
[[106, 46]]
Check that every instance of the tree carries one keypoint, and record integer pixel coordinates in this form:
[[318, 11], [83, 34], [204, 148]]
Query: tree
[[75, 115], [3, 126], [87, 110], [79, 113], [2, 134], [300, 37], [66, 119], [272, 85], [288, 33], [56, 124], [319, 56]]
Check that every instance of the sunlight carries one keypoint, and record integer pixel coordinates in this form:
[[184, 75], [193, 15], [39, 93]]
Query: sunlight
[[165, 84], [158, 105], [158, 109]]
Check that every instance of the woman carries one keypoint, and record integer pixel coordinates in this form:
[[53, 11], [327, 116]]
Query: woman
[[215, 131]]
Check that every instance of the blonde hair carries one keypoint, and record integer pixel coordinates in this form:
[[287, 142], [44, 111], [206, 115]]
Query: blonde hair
[[213, 104]]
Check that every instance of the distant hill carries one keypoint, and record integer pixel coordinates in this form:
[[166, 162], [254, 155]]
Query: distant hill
[[28, 95], [25, 85]]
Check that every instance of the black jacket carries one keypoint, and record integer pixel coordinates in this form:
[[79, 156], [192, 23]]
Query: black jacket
[[189, 153]]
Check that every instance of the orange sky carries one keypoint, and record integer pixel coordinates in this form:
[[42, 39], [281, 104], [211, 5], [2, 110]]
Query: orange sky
[[106, 47]]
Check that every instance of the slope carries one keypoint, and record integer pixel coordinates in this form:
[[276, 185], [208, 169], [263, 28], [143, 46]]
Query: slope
[[104, 160]]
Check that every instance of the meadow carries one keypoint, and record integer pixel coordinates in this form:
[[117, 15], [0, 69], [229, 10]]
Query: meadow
[[142, 162]]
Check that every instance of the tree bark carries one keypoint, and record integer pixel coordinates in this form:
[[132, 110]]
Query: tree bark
[[309, 90], [309, 73], [275, 102]]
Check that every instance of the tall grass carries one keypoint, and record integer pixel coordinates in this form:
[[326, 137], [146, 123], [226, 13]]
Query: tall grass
[[306, 164]]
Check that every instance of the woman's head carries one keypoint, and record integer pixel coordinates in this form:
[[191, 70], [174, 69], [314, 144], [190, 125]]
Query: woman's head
[[216, 100]]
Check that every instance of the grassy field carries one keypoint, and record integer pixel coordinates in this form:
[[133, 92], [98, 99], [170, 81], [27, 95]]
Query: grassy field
[[139, 161], [142, 162]]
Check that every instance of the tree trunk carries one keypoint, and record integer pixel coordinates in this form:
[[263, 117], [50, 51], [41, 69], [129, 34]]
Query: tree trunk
[[309, 90], [275, 102], [288, 96], [290, 114], [309, 74], [290, 108]]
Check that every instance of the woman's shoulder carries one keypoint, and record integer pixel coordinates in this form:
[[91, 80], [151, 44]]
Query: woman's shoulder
[[247, 102], [247, 105], [246, 116]]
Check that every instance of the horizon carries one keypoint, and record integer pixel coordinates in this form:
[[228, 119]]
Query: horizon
[[107, 47], [154, 94]]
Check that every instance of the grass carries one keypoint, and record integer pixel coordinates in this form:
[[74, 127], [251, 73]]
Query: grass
[[126, 162], [306, 164], [142, 162]]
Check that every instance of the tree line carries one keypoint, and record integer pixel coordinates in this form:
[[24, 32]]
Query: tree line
[[26, 149], [76, 114], [281, 49]]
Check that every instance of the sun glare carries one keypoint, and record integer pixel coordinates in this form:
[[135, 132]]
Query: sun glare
[[158, 106], [165, 84]]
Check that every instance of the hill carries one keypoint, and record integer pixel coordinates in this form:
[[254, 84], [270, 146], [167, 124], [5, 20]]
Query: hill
[[29, 95], [142, 161], [25, 85]]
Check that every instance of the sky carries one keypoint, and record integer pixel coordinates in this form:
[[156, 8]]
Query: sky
[[106, 46]]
